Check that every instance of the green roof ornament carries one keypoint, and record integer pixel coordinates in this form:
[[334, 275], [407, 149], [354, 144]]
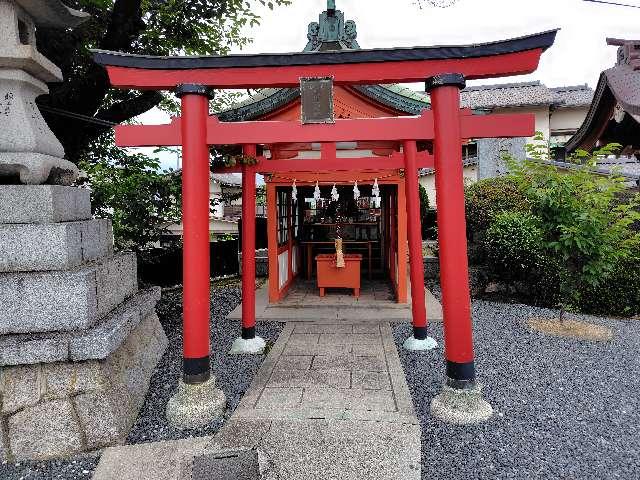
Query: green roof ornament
[[331, 32]]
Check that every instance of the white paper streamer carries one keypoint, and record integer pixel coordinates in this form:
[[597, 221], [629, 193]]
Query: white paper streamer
[[334, 193]]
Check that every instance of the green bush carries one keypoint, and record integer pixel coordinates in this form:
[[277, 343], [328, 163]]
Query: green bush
[[487, 198], [514, 246], [586, 223], [619, 294], [427, 216]]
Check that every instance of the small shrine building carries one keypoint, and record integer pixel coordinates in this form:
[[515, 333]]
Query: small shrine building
[[373, 226]]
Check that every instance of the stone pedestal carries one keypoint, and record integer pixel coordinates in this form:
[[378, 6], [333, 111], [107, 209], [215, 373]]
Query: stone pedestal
[[78, 340]]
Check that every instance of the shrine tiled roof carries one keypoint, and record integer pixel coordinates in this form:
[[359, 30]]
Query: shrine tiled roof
[[323, 36], [489, 97], [332, 32]]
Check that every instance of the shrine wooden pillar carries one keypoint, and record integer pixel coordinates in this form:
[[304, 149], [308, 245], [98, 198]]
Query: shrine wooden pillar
[[195, 221], [248, 343], [248, 246], [452, 234], [414, 234]]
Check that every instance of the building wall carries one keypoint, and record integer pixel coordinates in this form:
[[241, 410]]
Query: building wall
[[541, 113], [565, 122], [429, 182]]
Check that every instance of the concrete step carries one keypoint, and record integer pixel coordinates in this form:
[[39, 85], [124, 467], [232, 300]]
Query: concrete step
[[54, 246], [65, 301]]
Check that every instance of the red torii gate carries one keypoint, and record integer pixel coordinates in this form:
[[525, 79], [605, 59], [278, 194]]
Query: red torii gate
[[444, 68]]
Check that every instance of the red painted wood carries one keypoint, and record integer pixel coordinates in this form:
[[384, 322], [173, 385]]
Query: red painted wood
[[452, 235], [370, 129], [504, 65], [249, 241], [195, 219], [416, 262], [393, 162], [328, 150]]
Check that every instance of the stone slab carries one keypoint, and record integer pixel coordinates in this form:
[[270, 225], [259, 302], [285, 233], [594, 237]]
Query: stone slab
[[337, 449], [64, 408], [54, 246], [239, 465], [102, 340], [158, 461], [43, 204], [65, 301], [291, 450]]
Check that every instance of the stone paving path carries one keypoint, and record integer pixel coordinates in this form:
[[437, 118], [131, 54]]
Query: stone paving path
[[331, 371], [330, 401]]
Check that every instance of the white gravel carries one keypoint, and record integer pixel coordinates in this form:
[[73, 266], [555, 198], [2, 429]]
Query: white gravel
[[234, 374], [564, 408]]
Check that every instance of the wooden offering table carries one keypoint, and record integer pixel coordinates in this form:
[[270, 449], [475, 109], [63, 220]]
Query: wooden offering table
[[310, 244], [330, 276]]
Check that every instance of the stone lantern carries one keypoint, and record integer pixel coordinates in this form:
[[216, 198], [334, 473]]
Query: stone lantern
[[78, 339], [29, 152]]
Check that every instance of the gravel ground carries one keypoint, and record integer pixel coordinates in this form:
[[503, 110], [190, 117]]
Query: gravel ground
[[564, 408], [233, 373]]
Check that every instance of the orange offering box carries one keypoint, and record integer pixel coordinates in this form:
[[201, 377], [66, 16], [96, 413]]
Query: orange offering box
[[330, 276]]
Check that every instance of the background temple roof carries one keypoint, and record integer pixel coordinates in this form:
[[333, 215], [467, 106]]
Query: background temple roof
[[614, 115], [525, 94]]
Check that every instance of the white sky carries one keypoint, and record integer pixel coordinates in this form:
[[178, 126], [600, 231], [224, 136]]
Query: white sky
[[578, 56]]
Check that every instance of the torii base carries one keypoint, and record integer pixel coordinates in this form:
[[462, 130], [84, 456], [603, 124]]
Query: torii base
[[195, 406], [251, 346], [414, 344], [461, 406]]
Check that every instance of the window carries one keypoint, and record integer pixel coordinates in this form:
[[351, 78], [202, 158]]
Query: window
[[284, 216]]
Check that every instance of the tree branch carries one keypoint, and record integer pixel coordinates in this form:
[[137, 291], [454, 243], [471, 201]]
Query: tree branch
[[128, 109], [125, 25]]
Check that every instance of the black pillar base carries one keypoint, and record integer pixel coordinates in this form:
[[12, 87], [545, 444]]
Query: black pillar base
[[196, 370], [248, 333], [461, 376], [420, 333]]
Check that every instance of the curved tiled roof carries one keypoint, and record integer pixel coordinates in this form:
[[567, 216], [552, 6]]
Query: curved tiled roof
[[523, 94], [267, 100], [618, 88]]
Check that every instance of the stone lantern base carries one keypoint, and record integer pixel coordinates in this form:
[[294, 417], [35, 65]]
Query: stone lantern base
[[78, 340]]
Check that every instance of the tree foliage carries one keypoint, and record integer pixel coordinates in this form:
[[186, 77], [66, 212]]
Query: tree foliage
[[131, 190], [585, 223], [150, 27]]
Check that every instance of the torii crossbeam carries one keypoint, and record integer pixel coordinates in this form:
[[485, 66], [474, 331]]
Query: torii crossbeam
[[443, 68]]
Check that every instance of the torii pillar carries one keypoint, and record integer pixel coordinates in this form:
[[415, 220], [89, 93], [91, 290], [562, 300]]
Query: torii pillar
[[461, 399], [248, 343]]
